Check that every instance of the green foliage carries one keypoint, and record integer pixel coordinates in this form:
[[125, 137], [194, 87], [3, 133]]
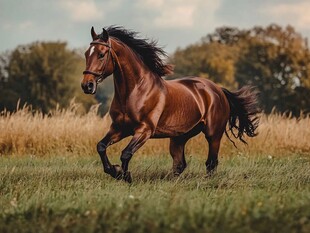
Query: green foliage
[[43, 74], [275, 59], [209, 60], [73, 194]]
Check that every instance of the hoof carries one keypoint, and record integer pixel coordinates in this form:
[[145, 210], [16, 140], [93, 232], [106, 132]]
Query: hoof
[[211, 167], [118, 172], [178, 169], [176, 173], [127, 177], [115, 171]]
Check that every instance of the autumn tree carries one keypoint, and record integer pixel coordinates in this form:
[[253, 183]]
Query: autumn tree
[[274, 59], [42, 74], [277, 61], [208, 60]]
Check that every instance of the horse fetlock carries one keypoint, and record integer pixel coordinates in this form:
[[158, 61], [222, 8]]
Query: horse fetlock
[[211, 165], [107, 170]]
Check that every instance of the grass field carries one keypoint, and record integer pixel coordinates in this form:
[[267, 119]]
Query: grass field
[[72, 194], [51, 180]]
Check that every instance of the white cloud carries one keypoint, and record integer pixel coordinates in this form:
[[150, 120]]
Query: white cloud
[[152, 3], [182, 17], [179, 14], [26, 25], [82, 10], [294, 13]]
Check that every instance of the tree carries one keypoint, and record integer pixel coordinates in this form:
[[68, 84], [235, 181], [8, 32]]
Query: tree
[[276, 60], [209, 60], [42, 74]]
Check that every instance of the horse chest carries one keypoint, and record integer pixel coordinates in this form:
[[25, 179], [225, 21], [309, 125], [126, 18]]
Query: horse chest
[[123, 121]]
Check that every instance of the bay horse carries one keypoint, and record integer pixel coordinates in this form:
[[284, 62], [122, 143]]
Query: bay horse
[[147, 106]]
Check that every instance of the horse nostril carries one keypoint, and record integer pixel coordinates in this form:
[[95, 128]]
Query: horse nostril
[[90, 86]]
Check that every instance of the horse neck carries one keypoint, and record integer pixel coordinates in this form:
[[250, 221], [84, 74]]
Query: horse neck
[[130, 73]]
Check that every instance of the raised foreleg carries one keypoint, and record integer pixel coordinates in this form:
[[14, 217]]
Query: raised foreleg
[[114, 135]]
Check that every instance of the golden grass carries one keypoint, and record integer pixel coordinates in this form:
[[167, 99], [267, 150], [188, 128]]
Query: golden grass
[[68, 132]]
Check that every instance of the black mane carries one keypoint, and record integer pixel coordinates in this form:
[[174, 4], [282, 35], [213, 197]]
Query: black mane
[[146, 49]]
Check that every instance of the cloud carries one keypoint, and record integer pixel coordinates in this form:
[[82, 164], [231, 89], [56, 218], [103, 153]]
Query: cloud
[[182, 17], [294, 13], [81, 10], [179, 14], [152, 3], [26, 25]]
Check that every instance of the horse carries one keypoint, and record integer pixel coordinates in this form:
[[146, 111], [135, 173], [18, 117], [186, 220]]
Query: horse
[[145, 105]]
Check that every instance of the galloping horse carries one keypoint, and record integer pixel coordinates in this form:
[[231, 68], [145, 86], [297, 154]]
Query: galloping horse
[[147, 106]]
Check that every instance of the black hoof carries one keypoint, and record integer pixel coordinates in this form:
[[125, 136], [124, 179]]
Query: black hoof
[[127, 177], [118, 172], [115, 171]]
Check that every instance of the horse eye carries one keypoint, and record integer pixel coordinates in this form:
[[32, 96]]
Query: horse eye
[[100, 55]]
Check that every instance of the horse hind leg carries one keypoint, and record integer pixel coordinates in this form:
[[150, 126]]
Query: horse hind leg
[[214, 139], [177, 153], [212, 161]]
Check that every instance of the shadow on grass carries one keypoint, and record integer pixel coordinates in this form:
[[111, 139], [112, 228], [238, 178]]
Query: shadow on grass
[[159, 175]]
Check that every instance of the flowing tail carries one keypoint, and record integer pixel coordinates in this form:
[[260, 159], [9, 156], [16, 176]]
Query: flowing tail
[[243, 112]]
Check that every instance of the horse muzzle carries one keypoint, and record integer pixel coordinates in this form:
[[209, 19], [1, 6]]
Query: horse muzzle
[[90, 87]]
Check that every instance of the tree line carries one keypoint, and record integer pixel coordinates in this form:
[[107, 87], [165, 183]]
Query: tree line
[[44, 75], [274, 59]]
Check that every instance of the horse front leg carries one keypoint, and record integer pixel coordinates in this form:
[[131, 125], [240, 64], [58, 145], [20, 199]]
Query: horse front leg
[[110, 138], [140, 137]]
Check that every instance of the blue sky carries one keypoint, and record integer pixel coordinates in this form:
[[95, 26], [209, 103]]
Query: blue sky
[[174, 23]]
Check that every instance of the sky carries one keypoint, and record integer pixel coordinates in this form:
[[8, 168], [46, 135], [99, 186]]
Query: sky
[[173, 23]]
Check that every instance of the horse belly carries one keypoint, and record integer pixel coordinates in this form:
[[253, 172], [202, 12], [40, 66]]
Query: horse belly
[[178, 121]]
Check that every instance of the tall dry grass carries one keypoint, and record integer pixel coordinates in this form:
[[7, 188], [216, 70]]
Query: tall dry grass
[[65, 131]]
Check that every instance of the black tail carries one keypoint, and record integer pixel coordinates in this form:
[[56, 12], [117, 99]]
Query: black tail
[[243, 112]]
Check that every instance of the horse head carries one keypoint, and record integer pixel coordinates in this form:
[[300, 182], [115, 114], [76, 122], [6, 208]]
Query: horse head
[[99, 61]]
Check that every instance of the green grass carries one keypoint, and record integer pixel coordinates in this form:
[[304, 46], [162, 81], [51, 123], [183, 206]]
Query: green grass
[[72, 194]]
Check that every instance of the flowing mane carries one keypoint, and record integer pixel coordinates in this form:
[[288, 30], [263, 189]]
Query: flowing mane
[[146, 49]]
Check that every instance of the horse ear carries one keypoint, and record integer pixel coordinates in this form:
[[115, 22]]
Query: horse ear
[[104, 35], [93, 34]]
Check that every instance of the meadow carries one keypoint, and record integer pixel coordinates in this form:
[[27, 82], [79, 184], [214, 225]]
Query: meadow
[[51, 179]]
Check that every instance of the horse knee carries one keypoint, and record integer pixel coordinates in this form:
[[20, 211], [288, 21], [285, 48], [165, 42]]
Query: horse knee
[[126, 156], [101, 147]]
